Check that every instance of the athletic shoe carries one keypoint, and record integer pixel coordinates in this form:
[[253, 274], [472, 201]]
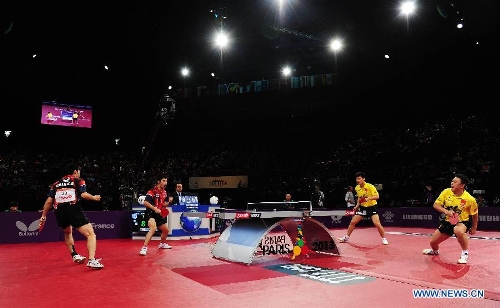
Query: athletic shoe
[[144, 251], [164, 246], [384, 241], [79, 259], [430, 251], [463, 258], [344, 239], [95, 263]]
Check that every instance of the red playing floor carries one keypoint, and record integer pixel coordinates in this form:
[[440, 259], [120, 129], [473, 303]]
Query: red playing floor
[[43, 275]]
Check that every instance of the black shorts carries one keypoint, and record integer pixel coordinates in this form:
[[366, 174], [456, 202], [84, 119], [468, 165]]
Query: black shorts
[[446, 228], [71, 215], [367, 211], [157, 217]]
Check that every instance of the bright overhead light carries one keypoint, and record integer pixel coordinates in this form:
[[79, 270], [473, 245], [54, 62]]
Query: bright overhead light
[[221, 40], [408, 7], [287, 71], [336, 45]]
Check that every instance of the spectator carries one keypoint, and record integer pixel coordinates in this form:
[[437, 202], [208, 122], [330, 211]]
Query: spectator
[[496, 201], [481, 202], [429, 195], [177, 195], [317, 197], [13, 207], [349, 197]]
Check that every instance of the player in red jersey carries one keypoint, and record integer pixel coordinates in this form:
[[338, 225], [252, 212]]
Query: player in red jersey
[[156, 203]]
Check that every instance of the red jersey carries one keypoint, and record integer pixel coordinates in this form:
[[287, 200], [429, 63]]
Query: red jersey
[[157, 197]]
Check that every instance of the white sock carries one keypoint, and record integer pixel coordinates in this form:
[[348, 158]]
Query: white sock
[[465, 252]]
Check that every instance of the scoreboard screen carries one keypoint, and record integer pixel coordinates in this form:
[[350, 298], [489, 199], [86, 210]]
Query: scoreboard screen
[[139, 223]]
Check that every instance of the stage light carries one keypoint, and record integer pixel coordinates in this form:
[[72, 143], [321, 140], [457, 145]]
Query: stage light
[[408, 8], [335, 45], [287, 71], [221, 40]]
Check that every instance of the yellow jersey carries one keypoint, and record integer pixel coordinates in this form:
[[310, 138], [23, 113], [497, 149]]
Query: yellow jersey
[[464, 205], [368, 190]]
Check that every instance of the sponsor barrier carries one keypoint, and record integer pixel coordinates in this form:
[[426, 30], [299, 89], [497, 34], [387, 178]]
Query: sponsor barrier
[[418, 217], [23, 227]]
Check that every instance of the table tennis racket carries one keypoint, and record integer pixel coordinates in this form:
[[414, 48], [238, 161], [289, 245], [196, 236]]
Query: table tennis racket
[[41, 224], [453, 219], [164, 212]]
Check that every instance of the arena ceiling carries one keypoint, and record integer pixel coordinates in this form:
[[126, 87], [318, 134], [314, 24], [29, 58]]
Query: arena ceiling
[[109, 53]]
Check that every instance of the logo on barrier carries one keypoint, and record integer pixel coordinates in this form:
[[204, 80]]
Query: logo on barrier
[[275, 245], [102, 226], [212, 215], [190, 224], [489, 218], [242, 215], [336, 219], [31, 230], [349, 213], [388, 216], [417, 217]]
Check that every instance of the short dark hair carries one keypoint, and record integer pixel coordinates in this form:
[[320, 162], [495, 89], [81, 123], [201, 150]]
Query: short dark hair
[[463, 178], [361, 174], [69, 168], [13, 204], [159, 177]]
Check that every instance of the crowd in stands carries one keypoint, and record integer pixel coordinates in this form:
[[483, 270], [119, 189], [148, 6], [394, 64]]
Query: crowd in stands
[[400, 160]]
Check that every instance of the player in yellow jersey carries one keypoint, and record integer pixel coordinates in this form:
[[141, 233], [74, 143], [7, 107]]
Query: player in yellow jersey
[[460, 217], [366, 206]]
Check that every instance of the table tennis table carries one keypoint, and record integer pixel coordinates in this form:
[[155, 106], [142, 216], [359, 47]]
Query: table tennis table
[[241, 239]]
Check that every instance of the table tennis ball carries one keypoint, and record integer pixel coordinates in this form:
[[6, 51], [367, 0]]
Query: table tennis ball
[[141, 199], [214, 200]]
